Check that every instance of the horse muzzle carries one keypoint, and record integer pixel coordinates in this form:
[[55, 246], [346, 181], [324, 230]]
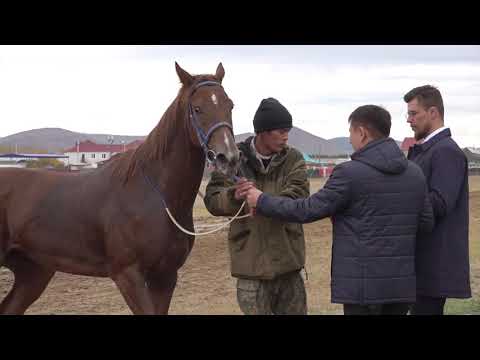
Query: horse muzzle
[[228, 164]]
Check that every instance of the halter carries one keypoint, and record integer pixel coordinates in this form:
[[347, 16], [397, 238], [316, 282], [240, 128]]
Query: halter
[[203, 138]]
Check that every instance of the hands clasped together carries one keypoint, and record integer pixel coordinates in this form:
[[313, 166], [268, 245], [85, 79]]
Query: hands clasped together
[[246, 190]]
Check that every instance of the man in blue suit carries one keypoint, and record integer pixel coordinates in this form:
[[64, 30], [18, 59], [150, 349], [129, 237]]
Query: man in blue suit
[[442, 256]]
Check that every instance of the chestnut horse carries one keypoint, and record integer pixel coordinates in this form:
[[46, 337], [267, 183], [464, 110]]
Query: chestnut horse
[[111, 221]]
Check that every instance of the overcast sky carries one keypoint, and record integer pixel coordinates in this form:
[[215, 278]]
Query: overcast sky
[[125, 90]]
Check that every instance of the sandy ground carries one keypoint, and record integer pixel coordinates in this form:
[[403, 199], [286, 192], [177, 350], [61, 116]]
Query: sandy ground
[[205, 285]]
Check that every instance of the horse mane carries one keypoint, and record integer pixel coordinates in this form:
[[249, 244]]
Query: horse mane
[[157, 144]]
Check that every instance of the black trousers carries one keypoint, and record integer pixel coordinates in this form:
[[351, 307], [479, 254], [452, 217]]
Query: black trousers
[[426, 305], [377, 309]]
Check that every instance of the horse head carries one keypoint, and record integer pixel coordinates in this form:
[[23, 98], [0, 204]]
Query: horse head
[[210, 119]]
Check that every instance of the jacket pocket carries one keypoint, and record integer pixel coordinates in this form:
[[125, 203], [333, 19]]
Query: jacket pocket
[[296, 241], [239, 237]]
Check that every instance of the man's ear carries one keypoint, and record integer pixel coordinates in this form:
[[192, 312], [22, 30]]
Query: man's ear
[[363, 132], [434, 113]]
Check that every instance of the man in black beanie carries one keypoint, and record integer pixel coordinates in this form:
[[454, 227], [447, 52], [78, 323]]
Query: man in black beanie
[[266, 255]]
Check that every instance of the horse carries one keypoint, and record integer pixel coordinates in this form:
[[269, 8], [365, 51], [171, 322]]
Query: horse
[[111, 221]]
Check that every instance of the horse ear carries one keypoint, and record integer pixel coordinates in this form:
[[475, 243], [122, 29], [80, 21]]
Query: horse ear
[[185, 78], [220, 73]]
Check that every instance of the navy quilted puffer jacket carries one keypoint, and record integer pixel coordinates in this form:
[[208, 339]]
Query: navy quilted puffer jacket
[[378, 203]]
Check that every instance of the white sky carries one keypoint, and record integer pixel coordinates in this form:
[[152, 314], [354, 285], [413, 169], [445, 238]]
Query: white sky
[[124, 90]]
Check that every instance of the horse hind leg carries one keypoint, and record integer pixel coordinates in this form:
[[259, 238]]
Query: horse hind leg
[[161, 286], [30, 281]]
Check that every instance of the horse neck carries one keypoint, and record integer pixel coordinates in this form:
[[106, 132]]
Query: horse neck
[[179, 169]]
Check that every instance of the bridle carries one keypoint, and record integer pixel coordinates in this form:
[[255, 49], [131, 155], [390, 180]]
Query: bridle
[[204, 138]]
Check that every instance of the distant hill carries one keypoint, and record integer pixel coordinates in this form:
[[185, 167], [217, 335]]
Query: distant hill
[[243, 137], [57, 139], [311, 144], [342, 144]]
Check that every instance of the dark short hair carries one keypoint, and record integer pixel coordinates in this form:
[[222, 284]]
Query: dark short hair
[[375, 118], [427, 96]]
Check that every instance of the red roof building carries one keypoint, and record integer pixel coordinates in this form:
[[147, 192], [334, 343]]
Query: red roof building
[[134, 144]]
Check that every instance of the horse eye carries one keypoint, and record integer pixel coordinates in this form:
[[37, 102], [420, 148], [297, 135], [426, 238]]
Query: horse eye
[[197, 109]]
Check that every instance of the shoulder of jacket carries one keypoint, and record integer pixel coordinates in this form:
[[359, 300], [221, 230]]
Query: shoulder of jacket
[[348, 165], [344, 169], [245, 148], [447, 145], [294, 153], [242, 144]]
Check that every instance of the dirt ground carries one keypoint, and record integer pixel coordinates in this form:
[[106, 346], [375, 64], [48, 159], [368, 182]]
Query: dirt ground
[[205, 285]]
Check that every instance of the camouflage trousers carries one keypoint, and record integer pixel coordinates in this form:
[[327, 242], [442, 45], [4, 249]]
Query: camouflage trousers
[[284, 295]]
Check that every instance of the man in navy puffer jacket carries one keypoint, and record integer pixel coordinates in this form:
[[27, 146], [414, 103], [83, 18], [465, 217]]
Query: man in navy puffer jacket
[[378, 203]]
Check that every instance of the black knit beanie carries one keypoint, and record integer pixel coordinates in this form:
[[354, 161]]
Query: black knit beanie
[[271, 115]]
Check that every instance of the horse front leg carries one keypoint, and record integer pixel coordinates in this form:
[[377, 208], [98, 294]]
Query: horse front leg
[[31, 280], [133, 287], [161, 286]]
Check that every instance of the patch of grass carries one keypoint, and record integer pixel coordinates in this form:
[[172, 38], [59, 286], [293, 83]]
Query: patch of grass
[[462, 306]]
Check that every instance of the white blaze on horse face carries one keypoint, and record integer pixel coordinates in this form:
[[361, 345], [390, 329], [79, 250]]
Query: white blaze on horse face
[[214, 99], [228, 146]]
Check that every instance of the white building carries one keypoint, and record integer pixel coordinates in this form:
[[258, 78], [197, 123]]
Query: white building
[[473, 156], [19, 160], [88, 154]]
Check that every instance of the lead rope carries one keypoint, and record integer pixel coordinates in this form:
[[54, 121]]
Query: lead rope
[[236, 218], [210, 231], [180, 227]]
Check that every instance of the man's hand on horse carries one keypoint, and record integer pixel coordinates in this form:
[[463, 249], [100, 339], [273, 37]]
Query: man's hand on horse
[[241, 188]]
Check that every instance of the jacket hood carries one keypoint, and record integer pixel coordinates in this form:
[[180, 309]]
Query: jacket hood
[[384, 155]]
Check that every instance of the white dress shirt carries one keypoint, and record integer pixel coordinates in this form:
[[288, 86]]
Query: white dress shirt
[[439, 130]]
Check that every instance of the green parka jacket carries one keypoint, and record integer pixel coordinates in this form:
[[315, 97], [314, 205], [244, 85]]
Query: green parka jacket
[[260, 247]]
